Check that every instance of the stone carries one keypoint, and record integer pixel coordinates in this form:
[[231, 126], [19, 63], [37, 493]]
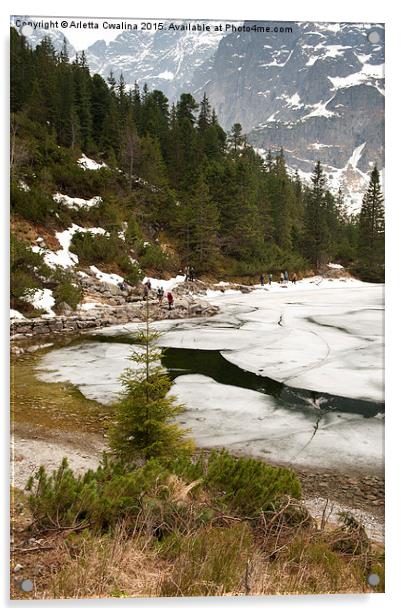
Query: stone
[[64, 308]]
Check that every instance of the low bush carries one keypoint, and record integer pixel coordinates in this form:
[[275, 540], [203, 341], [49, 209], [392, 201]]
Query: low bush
[[33, 205], [27, 269], [100, 498], [66, 290], [152, 256], [92, 248], [244, 485]]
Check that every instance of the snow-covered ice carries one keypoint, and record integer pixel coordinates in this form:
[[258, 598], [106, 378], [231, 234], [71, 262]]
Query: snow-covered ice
[[251, 423], [318, 335]]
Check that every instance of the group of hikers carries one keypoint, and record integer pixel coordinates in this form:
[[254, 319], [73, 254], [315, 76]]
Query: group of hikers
[[284, 278], [189, 274], [159, 294]]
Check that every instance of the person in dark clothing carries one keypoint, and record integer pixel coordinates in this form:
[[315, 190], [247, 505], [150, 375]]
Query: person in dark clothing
[[285, 276], [160, 295], [294, 278], [191, 274], [145, 292], [262, 280], [170, 300]]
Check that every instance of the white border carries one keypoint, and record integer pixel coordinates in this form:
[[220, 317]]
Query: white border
[[291, 10]]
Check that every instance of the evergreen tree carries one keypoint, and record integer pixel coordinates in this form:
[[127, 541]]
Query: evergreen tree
[[371, 228], [201, 224], [143, 427], [235, 138], [204, 118], [315, 227]]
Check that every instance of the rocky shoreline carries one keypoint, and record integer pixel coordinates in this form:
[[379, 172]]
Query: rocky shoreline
[[105, 304]]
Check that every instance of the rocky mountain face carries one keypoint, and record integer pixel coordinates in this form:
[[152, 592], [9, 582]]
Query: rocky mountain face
[[166, 60], [317, 90]]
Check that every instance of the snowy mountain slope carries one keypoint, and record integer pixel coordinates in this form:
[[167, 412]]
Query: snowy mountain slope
[[318, 91], [164, 60]]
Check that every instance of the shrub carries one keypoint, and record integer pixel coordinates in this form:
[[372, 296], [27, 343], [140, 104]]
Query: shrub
[[131, 270], [33, 204], [27, 269], [92, 248], [66, 290], [100, 498], [152, 256], [245, 485]]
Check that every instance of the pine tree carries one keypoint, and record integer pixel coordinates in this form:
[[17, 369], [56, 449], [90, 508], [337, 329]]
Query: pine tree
[[235, 138], [281, 197], [143, 427], [315, 227], [203, 225], [204, 118], [371, 227]]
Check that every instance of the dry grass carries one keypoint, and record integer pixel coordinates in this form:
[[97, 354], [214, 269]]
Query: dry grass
[[121, 565], [285, 552]]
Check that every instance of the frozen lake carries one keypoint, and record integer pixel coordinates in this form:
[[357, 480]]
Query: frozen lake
[[305, 384]]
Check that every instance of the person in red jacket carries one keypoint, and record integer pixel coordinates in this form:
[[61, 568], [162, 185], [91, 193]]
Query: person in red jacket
[[170, 300]]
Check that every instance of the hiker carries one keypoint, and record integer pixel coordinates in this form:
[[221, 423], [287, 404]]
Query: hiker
[[270, 278], [145, 295], [160, 295], [294, 278], [187, 273], [148, 284], [170, 300], [281, 278], [285, 276], [262, 280], [191, 274]]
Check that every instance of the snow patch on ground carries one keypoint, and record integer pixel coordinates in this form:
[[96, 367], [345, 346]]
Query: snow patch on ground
[[166, 284], [76, 203], [114, 279], [356, 155], [23, 186], [335, 266], [320, 110], [89, 163], [42, 299], [15, 315], [368, 74], [64, 257]]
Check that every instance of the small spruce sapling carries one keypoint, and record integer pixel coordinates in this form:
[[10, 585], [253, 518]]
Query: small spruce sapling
[[143, 427]]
